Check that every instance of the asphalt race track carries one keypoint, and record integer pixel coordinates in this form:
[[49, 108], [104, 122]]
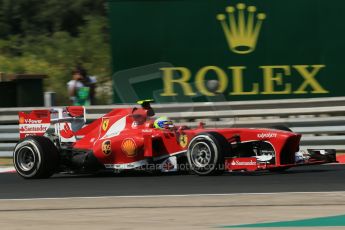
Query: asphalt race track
[[303, 179]]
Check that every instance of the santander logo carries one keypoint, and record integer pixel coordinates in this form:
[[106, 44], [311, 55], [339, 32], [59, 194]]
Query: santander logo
[[66, 132], [241, 163]]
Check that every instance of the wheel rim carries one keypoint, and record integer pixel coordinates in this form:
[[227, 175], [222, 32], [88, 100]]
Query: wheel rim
[[201, 155], [26, 158]]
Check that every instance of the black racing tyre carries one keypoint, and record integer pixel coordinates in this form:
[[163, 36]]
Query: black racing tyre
[[206, 154], [281, 127], [35, 157]]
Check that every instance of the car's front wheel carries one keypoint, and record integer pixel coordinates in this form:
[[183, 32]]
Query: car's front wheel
[[206, 153], [35, 157]]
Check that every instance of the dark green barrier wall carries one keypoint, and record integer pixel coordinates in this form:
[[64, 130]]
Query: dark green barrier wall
[[197, 50]]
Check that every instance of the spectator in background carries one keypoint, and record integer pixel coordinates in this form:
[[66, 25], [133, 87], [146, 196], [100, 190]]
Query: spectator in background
[[81, 88]]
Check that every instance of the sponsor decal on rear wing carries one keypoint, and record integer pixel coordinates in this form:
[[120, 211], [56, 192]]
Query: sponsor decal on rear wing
[[35, 123], [66, 120]]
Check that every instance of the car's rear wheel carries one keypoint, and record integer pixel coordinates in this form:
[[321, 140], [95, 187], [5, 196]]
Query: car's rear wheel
[[206, 154], [35, 157]]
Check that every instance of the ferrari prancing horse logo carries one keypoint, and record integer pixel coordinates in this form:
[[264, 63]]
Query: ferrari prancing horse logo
[[105, 124], [183, 140]]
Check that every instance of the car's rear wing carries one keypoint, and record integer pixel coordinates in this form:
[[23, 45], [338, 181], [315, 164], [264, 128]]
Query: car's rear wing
[[65, 121]]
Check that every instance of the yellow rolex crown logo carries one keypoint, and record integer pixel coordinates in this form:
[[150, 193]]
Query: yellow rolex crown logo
[[241, 26]]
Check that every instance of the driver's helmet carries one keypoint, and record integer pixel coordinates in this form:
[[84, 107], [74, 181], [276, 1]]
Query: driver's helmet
[[162, 123]]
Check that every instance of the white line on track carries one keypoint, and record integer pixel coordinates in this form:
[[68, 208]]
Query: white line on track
[[181, 195], [7, 170]]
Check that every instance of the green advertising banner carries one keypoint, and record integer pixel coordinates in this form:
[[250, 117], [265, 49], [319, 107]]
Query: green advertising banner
[[217, 50]]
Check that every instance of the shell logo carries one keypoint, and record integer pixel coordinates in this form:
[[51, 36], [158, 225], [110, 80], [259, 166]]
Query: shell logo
[[129, 147], [21, 120]]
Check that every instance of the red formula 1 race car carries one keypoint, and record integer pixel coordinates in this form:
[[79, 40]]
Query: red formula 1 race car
[[57, 140]]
